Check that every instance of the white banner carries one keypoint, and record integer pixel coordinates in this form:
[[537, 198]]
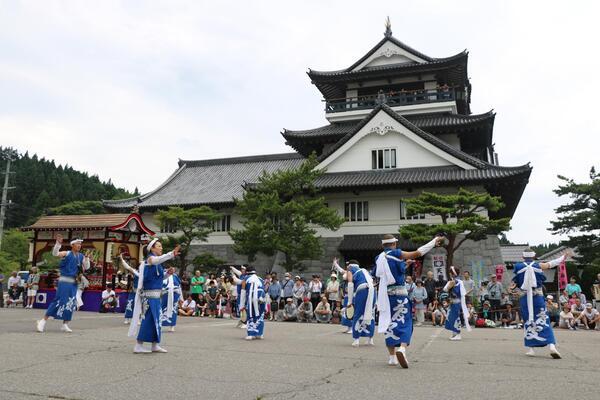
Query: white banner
[[439, 266]]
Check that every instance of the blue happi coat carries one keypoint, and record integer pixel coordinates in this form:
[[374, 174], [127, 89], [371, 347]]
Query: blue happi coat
[[538, 332], [360, 327], [255, 305], [453, 321], [151, 320], [64, 303], [171, 320], [131, 298], [401, 326]]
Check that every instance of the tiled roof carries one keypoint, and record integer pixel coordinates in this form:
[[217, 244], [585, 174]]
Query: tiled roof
[[78, 221], [512, 253]]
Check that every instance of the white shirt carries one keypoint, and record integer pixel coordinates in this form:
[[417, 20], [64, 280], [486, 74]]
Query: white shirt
[[107, 293], [14, 280], [592, 314], [189, 304]]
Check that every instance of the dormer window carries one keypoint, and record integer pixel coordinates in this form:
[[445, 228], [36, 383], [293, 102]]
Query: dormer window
[[383, 158]]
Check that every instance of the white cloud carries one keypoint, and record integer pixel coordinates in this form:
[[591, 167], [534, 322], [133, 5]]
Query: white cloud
[[119, 88]]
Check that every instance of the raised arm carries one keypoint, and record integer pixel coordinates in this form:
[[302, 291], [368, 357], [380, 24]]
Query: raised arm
[[127, 266], [236, 271], [421, 251], [449, 285], [56, 249], [554, 263], [336, 266]]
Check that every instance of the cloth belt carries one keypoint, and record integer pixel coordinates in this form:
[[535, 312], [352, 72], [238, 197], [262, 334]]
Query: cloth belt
[[66, 279], [362, 286], [455, 301], [153, 294], [397, 290], [538, 292]]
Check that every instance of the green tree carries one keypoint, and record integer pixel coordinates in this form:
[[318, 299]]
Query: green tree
[[194, 224], [280, 213], [78, 207], [207, 260], [15, 251], [460, 216], [580, 218]]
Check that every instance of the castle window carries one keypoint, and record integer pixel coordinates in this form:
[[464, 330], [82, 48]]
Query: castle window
[[356, 211], [383, 158], [224, 225]]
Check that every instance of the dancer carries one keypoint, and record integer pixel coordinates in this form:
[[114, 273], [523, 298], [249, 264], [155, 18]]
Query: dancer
[[147, 299], [393, 303], [361, 298], [170, 299], [529, 277], [72, 263], [344, 321], [132, 290], [457, 291], [238, 276], [252, 300]]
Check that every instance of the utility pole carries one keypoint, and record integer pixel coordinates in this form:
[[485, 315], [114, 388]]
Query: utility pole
[[4, 203]]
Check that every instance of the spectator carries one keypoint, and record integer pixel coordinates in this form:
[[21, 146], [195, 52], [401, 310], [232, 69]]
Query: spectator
[[564, 298], [483, 294], [323, 311], [596, 289], [469, 285], [1, 290], [440, 283], [429, 285], [495, 290], [213, 297], [509, 317], [233, 298], [290, 311], [274, 292], [567, 320], [201, 306], [33, 285], [486, 310], [299, 290], [305, 311], [573, 299], [504, 300], [222, 302], [577, 309], [315, 287], [109, 300], [553, 310], [188, 307], [333, 292], [513, 293], [591, 317], [438, 314], [410, 285], [197, 285], [573, 287], [14, 289], [287, 287], [419, 298]]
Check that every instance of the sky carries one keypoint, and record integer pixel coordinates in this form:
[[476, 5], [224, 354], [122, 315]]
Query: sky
[[123, 89]]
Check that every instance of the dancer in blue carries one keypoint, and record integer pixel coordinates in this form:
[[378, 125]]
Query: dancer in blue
[[170, 299], [344, 321], [147, 299], [529, 277], [252, 300], [361, 298], [393, 303], [132, 290], [457, 291], [72, 263]]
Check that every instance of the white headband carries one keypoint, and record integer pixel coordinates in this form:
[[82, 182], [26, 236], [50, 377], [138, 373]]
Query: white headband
[[353, 265], [528, 254], [386, 241], [75, 241], [149, 247]]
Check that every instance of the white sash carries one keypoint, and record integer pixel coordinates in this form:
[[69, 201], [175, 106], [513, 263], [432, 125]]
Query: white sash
[[170, 296], [252, 307], [463, 304], [368, 314], [529, 283], [383, 301], [137, 307]]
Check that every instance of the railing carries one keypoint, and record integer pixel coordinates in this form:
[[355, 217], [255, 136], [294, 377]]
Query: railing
[[403, 98]]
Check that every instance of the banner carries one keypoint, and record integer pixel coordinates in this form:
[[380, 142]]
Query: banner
[[417, 269], [499, 272], [562, 275], [439, 266]]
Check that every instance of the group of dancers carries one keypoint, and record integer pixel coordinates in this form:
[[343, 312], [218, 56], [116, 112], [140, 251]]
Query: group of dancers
[[152, 303]]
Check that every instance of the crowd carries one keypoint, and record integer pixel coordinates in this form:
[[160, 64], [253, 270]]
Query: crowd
[[297, 299]]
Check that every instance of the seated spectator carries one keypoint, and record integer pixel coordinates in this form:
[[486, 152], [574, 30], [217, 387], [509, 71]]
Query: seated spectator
[[438, 313], [305, 311], [109, 300], [590, 317], [573, 299], [564, 298], [553, 310], [567, 320], [573, 286], [472, 314], [201, 306], [290, 311], [188, 307], [323, 311], [577, 309], [486, 310], [504, 300], [14, 289], [509, 316], [596, 289]]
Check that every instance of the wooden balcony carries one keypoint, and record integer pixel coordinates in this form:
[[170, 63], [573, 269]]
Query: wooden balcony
[[398, 99]]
